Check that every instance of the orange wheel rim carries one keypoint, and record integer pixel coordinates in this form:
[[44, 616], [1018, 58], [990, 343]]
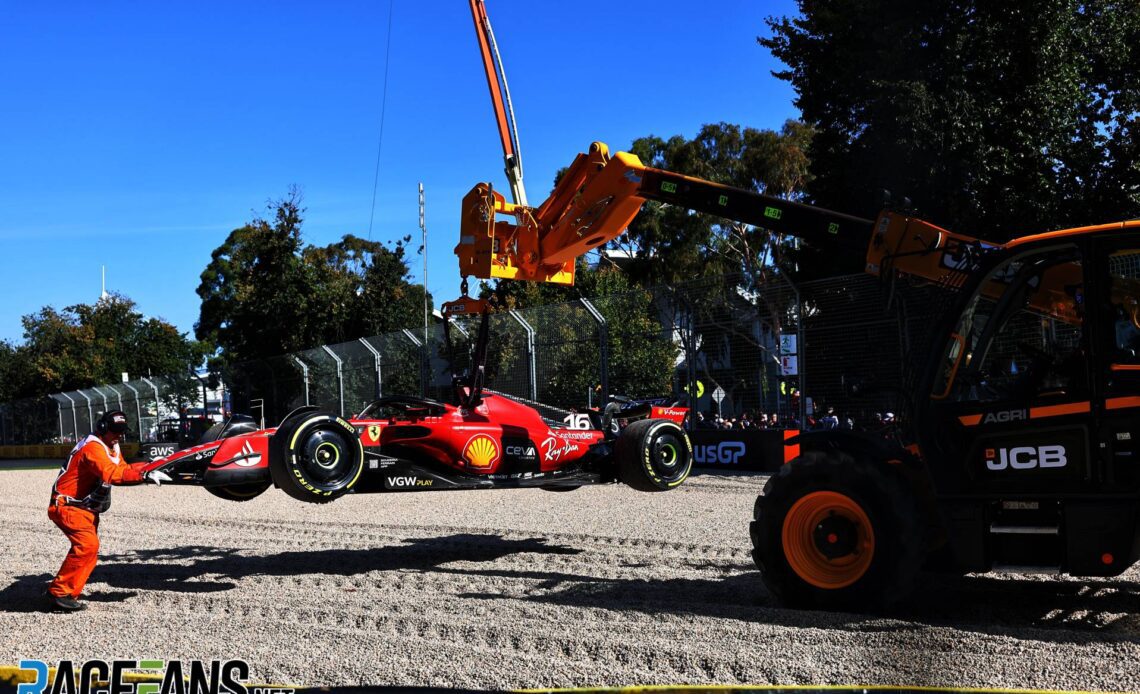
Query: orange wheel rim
[[828, 540]]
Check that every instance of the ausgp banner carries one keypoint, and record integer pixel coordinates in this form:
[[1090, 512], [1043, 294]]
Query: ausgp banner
[[734, 449]]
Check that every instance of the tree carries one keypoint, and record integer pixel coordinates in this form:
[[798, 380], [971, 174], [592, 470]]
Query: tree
[[265, 293], [92, 344], [996, 119], [668, 244], [641, 352]]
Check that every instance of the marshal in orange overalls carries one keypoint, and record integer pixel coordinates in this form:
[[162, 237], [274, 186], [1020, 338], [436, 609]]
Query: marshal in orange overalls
[[77, 498]]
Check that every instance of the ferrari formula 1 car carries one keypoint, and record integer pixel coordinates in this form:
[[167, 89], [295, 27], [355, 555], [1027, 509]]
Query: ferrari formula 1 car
[[406, 443]]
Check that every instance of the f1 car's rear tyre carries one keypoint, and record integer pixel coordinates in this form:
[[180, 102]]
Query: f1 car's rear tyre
[[316, 457], [239, 492], [653, 455], [834, 532]]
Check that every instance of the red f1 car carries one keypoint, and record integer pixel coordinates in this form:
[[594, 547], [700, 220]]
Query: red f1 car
[[407, 443]]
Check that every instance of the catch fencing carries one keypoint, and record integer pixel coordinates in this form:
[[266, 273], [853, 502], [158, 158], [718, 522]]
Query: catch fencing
[[730, 348]]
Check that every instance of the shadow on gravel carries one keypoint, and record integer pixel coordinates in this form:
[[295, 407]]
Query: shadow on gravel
[[25, 594], [197, 569], [1061, 611], [1055, 610]]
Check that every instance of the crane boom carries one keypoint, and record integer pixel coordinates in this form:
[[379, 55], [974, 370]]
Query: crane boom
[[600, 195], [500, 100]]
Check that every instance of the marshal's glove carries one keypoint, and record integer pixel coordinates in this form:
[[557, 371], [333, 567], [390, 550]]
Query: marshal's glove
[[156, 477]]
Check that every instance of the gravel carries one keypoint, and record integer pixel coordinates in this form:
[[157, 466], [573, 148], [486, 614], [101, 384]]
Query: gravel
[[527, 588]]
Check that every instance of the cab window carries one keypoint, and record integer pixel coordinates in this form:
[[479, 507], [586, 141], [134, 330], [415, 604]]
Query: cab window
[[1022, 335], [1124, 302]]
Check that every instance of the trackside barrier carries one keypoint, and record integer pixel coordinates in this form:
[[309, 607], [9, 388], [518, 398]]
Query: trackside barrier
[[753, 450]]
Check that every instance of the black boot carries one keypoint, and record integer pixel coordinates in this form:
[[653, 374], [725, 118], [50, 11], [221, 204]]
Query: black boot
[[65, 603]]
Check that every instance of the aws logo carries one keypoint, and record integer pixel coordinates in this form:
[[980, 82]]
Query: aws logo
[[1026, 457], [481, 451]]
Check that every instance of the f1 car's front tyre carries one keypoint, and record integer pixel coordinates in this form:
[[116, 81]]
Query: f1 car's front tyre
[[239, 492], [316, 457], [653, 455]]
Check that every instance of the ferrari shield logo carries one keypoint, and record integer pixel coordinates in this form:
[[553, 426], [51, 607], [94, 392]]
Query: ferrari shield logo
[[374, 432], [481, 451]]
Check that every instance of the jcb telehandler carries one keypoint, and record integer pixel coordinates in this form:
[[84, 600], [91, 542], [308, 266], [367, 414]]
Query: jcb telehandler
[[1019, 448]]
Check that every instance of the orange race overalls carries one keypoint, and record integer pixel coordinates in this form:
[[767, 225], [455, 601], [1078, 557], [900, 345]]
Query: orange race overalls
[[80, 493]]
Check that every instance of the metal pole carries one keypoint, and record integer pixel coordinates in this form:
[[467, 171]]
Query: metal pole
[[376, 363], [138, 407], [74, 419], [90, 413], [603, 343], [339, 376], [305, 375], [423, 360], [423, 228], [260, 408], [531, 371], [691, 366], [106, 405], [59, 410], [156, 399]]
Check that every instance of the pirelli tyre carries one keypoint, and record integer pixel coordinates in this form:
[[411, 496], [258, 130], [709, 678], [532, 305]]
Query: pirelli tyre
[[239, 492], [653, 455], [316, 457], [834, 532]]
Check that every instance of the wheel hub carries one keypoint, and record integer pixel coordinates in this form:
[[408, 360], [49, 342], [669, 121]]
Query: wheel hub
[[835, 536]]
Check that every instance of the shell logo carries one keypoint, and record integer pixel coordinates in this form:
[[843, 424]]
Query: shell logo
[[481, 451]]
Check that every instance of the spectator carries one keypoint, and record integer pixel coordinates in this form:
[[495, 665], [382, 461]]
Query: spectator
[[773, 422], [829, 420]]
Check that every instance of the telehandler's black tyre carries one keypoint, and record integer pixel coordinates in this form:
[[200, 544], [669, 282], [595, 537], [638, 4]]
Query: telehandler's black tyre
[[316, 457], [653, 455], [834, 532], [239, 492]]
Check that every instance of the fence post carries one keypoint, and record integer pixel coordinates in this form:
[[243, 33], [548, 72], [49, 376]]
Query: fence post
[[59, 410], [691, 363], [90, 413], [157, 414], [304, 375], [74, 417], [339, 376], [106, 405], [138, 408], [423, 360], [376, 364], [532, 380], [603, 345]]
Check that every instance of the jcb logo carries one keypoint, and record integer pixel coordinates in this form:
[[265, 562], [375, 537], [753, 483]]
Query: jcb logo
[[1026, 457]]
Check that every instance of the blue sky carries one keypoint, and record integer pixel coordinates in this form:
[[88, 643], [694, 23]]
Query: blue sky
[[137, 136]]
